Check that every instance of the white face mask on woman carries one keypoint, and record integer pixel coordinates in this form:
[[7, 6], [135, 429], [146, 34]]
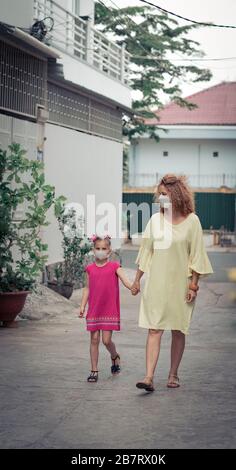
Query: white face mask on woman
[[164, 199], [101, 254]]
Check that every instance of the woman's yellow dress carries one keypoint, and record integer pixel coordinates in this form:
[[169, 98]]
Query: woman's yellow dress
[[168, 254]]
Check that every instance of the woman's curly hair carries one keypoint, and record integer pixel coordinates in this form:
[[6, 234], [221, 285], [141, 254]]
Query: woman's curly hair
[[181, 195]]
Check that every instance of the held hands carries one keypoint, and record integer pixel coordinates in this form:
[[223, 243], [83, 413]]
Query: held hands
[[135, 288]]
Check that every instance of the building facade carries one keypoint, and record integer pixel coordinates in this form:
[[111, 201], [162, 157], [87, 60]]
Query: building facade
[[200, 143], [62, 97]]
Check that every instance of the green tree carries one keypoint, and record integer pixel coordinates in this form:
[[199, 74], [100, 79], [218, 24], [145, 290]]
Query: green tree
[[151, 37]]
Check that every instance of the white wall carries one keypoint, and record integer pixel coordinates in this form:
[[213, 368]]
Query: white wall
[[17, 13], [78, 164], [85, 75], [85, 7], [185, 156], [20, 131], [186, 131], [21, 12], [67, 4]]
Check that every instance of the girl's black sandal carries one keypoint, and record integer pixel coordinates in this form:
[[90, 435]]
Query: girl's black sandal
[[115, 368], [93, 377]]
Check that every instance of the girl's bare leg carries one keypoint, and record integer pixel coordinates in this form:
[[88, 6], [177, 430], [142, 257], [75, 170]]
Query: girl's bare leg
[[94, 349], [107, 341]]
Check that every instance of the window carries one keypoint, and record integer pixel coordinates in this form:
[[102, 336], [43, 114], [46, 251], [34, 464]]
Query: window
[[165, 153], [215, 154], [69, 108], [24, 83]]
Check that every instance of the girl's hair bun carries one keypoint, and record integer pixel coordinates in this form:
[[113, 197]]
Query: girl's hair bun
[[95, 237]]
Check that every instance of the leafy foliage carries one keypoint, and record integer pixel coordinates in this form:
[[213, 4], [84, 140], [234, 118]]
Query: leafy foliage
[[152, 38], [22, 189], [74, 243]]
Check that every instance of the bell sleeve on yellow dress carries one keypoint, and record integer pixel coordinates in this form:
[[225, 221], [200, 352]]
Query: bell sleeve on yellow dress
[[198, 258], [146, 249]]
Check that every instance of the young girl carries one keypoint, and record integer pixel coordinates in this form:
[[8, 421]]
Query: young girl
[[102, 294]]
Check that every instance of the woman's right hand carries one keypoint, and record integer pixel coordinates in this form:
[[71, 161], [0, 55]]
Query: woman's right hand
[[135, 288]]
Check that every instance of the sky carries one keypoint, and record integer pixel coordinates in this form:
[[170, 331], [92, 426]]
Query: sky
[[215, 42]]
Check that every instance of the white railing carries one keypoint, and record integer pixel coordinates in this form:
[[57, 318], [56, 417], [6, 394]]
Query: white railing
[[196, 181], [80, 39]]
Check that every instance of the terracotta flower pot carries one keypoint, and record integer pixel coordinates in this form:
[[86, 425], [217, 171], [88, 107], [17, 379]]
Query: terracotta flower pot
[[11, 304], [65, 289]]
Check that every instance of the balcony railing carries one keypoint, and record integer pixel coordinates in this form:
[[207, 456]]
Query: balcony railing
[[74, 36], [196, 181]]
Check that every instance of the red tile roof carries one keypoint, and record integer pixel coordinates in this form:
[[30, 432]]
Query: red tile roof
[[216, 106]]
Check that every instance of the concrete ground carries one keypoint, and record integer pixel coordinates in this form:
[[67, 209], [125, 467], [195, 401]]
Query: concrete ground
[[47, 403]]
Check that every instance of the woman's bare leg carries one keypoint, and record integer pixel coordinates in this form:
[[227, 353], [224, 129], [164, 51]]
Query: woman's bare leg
[[94, 349], [177, 349], [152, 352]]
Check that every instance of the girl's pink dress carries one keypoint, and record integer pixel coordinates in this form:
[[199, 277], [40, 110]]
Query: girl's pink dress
[[104, 299]]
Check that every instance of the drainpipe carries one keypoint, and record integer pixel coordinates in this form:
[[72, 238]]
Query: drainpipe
[[42, 117], [199, 164], [134, 161], [235, 220]]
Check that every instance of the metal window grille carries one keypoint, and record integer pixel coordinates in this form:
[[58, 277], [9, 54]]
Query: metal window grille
[[23, 86], [71, 109], [23, 81]]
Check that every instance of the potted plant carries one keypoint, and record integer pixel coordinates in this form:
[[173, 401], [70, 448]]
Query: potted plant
[[65, 275], [24, 202]]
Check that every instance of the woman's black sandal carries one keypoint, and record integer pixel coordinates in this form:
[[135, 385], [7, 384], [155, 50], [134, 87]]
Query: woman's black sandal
[[93, 377], [115, 368], [148, 387]]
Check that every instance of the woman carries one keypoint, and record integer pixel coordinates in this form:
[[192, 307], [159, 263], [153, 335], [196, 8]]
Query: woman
[[173, 255]]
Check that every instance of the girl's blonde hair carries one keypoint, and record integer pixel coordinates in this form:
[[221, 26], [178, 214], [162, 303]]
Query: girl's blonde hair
[[182, 196]]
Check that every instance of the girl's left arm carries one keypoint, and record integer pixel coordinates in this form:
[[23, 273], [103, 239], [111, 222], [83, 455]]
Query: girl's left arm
[[124, 279]]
